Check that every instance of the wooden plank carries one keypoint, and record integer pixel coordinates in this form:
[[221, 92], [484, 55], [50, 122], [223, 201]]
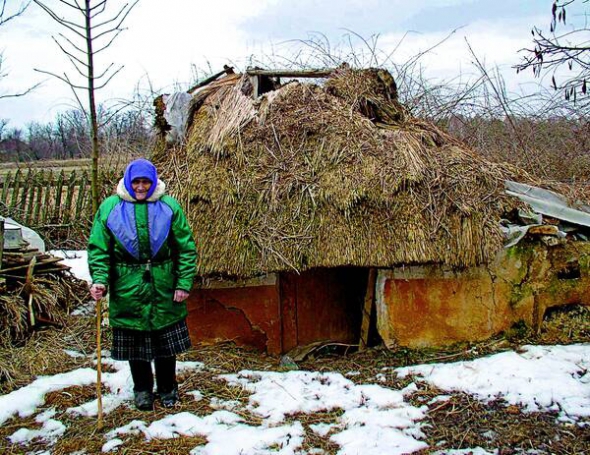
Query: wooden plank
[[31, 189], [38, 266], [82, 194], [5, 187], [1, 241], [45, 212], [545, 229], [42, 184], [61, 268], [287, 289], [15, 186], [291, 73], [25, 192], [67, 207], [29, 290], [255, 81], [263, 280], [58, 196], [213, 77], [367, 308]]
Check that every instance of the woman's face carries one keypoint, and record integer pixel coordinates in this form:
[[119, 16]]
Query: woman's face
[[141, 186]]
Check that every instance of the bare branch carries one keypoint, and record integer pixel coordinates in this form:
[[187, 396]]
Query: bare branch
[[70, 56], [109, 79], [113, 19], [109, 43], [74, 6], [16, 95], [72, 87], [61, 78], [21, 10], [102, 6], [570, 49], [67, 24], [82, 51], [104, 72], [106, 32]]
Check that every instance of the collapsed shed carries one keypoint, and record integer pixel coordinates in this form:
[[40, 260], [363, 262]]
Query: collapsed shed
[[295, 192]]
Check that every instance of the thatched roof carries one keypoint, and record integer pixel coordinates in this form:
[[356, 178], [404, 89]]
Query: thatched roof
[[329, 175]]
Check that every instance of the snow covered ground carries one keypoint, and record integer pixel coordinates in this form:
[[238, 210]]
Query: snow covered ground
[[373, 419]]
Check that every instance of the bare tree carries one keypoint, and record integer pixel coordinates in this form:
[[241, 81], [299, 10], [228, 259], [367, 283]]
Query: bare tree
[[553, 51], [5, 17], [88, 37]]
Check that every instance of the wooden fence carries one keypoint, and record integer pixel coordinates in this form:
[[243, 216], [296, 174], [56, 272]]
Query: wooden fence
[[56, 203]]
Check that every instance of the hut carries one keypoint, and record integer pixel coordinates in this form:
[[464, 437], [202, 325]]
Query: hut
[[298, 193]]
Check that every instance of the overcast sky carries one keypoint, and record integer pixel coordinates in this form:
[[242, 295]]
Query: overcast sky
[[166, 40]]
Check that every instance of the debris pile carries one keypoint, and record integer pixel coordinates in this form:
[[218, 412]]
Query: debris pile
[[549, 216], [36, 289]]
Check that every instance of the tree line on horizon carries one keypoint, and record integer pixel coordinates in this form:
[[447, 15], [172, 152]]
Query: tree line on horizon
[[545, 133]]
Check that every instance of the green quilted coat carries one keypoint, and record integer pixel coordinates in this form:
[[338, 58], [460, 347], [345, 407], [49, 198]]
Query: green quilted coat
[[141, 285]]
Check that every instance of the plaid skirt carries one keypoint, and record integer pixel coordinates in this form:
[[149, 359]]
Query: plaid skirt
[[141, 345]]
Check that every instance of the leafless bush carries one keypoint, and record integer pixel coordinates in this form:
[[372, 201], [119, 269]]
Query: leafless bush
[[540, 132]]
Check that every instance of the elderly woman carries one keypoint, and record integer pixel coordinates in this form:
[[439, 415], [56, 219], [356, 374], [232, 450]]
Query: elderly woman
[[141, 251]]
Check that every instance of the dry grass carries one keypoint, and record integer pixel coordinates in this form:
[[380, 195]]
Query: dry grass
[[54, 297], [43, 353], [461, 421], [309, 176]]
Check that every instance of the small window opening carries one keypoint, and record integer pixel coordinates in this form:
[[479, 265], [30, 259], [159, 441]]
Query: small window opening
[[570, 272]]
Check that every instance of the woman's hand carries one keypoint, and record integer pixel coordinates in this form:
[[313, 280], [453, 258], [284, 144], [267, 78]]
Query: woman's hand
[[98, 291], [180, 295]]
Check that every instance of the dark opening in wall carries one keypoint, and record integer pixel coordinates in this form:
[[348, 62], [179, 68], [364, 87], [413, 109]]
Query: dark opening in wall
[[570, 272]]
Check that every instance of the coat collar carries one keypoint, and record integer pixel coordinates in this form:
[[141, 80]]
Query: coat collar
[[157, 194]]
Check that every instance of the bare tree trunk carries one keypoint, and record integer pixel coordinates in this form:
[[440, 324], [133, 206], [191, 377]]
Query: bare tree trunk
[[92, 104], [106, 30]]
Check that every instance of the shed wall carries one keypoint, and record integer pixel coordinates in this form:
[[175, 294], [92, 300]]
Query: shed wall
[[424, 306], [280, 312]]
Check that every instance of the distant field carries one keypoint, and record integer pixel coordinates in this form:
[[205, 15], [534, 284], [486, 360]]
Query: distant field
[[68, 166], [54, 165], [78, 163]]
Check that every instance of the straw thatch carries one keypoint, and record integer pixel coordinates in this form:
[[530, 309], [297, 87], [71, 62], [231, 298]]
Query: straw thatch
[[329, 175], [54, 295]]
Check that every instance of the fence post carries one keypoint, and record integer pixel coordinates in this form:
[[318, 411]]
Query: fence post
[[15, 188], [45, 211], [5, 187], [58, 196], [42, 184], [81, 194], [67, 213], [30, 189], [1, 241], [23, 201]]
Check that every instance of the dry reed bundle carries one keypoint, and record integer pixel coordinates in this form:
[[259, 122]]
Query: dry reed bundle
[[309, 176], [54, 296]]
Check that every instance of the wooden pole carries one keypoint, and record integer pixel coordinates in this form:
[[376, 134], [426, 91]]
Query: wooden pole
[[367, 307], [291, 73], [99, 422], [1, 241], [29, 288], [226, 70]]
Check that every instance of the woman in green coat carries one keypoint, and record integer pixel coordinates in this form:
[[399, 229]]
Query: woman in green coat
[[141, 251]]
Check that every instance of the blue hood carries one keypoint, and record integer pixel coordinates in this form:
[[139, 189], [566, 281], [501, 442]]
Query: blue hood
[[140, 168]]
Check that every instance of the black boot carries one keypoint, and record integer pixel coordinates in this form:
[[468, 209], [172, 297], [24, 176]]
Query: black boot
[[143, 382], [144, 401], [169, 399], [166, 380]]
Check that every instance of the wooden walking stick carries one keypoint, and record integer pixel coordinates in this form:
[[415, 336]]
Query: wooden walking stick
[[29, 289], [99, 422]]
